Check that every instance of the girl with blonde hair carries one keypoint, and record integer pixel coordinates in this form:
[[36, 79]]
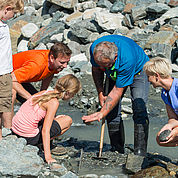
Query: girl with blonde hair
[[36, 120], [159, 73]]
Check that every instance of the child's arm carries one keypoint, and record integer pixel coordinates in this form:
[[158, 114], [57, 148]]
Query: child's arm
[[51, 108]]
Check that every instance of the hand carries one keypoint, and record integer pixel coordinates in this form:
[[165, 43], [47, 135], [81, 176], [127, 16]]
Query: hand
[[172, 137], [93, 117], [50, 160]]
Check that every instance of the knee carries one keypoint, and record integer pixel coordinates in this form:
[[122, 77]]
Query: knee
[[69, 120]]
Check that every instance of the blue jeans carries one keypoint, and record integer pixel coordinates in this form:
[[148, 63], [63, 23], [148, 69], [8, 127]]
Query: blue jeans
[[139, 91]]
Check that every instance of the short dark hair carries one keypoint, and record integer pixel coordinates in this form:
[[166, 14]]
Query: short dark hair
[[60, 48]]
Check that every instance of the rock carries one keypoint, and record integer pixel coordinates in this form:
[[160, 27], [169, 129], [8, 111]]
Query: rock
[[74, 16], [22, 46], [134, 163], [138, 12], [157, 8], [17, 158], [44, 34], [104, 4], [29, 10], [163, 135], [172, 13], [173, 3], [128, 8], [155, 171], [162, 50], [162, 37], [69, 175], [5, 132], [109, 21], [85, 5], [68, 4], [118, 6]]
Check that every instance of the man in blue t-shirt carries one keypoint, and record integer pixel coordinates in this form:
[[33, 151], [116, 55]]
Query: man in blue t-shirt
[[122, 60]]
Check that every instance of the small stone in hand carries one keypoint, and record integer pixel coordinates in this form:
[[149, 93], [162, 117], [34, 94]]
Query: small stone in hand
[[163, 135]]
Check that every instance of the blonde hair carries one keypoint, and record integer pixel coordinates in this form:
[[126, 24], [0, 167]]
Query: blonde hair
[[18, 5], [68, 83], [158, 65]]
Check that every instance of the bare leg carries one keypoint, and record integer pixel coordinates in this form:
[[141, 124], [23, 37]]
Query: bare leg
[[65, 122], [14, 94], [7, 119], [0, 126]]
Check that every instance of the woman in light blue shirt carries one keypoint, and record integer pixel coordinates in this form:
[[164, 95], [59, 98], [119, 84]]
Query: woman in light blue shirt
[[159, 73]]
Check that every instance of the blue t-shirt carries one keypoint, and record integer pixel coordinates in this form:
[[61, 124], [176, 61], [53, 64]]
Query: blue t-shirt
[[171, 97], [129, 62]]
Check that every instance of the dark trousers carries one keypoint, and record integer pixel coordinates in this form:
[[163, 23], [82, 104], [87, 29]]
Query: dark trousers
[[30, 88], [139, 91]]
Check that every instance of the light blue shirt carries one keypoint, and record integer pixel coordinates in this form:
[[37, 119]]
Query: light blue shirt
[[171, 97]]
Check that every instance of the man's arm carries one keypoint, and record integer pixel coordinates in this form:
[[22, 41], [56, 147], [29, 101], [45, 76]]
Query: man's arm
[[111, 101], [45, 82], [98, 77], [19, 88]]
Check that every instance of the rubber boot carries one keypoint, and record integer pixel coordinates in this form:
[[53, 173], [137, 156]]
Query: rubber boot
[[117, 136], [140, 139]]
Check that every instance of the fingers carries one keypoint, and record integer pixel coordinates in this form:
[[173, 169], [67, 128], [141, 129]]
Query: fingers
[[51, 161]]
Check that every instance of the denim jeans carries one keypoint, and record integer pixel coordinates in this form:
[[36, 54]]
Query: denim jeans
[[139, 91]]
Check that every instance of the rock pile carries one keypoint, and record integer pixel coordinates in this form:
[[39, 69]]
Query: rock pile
[[153, 24]]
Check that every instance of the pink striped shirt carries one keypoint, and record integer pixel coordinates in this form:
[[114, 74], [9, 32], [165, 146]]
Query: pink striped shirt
[[25, 122]]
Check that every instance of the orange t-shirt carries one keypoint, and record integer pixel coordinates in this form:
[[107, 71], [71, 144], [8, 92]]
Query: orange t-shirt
[[31, 66]]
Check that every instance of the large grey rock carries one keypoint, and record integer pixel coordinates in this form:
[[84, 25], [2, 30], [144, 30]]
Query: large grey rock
[[44, 34], [157, 8], [162, 37], [138, 2], [53, 9], [29, 29], [69, 175], [127, 21], [81, 33], [17, 158], [85, 5], [108, 21], [118, 6], [162, 50], [134, 163], [172, 13], [68, 4], [104, 4], [138, 12], [29, 10]]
